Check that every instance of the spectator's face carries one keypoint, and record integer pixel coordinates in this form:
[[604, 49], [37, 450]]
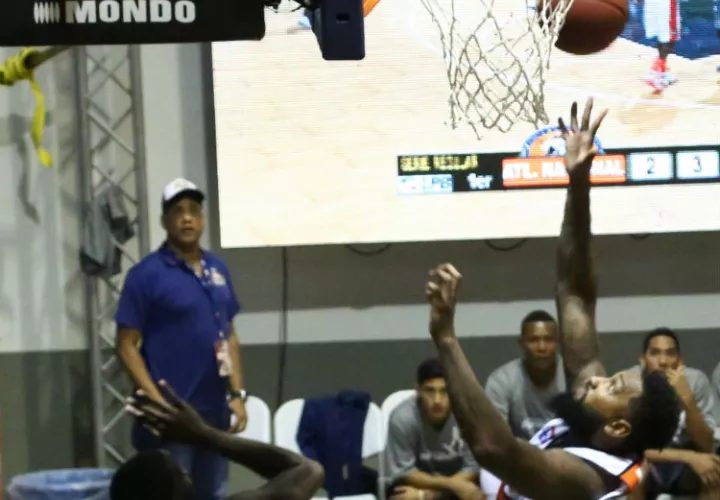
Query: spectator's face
[[184, 221], [661, 355], [434, 400], [539, 343]]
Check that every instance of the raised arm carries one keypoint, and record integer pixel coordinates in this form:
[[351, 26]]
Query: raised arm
[[534, 473], [576, 288], [290, 476]]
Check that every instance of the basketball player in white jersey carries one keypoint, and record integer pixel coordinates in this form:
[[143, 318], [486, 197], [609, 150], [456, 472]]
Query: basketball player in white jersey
[[662, 22], [595, 449]]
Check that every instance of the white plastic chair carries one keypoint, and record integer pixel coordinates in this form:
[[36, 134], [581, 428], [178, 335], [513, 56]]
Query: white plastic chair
[[373, 444], [259, 421], [287, 419], [391, 402]]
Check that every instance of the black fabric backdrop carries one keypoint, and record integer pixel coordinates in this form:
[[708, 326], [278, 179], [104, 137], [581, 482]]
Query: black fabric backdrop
[[111, 22]]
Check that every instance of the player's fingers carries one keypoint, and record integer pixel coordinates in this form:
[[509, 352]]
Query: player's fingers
[[432, 289], [573, 117], [450, 269], [170, 394], [145, 403], [135, 412], [152, 430], [562, 127], [445, 276], [151, 412], [598, 121], [150, 407], [585, 125]]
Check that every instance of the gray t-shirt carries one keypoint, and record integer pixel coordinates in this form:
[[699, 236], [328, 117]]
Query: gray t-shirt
[[716, 385], [413, 444], [523, 405], [715, 379], [705, 400]]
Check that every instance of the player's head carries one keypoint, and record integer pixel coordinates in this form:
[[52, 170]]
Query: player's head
[[538, 339], [625, 414], [661, 350], [182, 212], [151, 475], [432, 392]]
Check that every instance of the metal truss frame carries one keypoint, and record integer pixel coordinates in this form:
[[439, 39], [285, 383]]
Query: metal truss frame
[[111, 152]]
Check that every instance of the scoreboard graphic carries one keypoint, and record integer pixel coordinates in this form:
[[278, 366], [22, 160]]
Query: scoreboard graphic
[[540, 165]]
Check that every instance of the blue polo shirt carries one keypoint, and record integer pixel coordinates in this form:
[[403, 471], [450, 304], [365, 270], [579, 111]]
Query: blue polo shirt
[[181, 317]]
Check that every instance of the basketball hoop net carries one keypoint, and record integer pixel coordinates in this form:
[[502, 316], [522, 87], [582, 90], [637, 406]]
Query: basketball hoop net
[[497, 59]]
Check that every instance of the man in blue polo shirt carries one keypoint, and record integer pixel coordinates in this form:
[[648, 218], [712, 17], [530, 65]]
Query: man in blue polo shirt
[[174, 323]]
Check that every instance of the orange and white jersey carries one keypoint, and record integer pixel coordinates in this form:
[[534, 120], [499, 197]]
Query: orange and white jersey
[[628, 472]]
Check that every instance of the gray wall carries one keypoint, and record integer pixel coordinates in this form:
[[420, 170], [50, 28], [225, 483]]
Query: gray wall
[[43, 371]]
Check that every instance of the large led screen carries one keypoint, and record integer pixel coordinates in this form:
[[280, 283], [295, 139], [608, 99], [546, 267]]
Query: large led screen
[[316, 152]]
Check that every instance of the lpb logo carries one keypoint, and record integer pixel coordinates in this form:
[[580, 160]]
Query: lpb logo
[[548, 141]]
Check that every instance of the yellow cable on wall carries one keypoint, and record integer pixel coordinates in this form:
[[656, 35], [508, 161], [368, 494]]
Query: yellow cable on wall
[[16, 69]]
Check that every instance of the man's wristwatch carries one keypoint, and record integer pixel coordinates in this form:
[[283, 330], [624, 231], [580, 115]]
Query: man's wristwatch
[[242, 395]]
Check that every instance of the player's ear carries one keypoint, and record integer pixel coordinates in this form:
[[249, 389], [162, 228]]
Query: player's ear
[[641, 359], [618, 428], [162, 221]]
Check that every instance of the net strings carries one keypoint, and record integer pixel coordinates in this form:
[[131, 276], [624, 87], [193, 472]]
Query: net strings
[[496, 60]]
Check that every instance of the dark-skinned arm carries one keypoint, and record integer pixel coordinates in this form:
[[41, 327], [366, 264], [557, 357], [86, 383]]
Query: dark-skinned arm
[[576, 288], [290, 476], [699, 405], [532, 472]]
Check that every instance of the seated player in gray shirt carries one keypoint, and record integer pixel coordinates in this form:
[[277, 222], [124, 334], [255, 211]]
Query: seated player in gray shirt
[[670, 472], [425, 457], [523, 388]]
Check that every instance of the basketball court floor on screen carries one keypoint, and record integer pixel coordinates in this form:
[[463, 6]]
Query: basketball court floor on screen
[[279, 93], [404, 59]]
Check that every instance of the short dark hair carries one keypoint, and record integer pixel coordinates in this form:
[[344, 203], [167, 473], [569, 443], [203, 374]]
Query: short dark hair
[[429, 369], [654, 415], [150, 475], [662, 331], [537, 316]]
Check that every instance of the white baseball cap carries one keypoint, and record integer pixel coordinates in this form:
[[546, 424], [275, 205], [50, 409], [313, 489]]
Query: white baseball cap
[[180, 187]]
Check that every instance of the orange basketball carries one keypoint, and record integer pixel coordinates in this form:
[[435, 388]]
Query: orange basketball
[[592, 25]]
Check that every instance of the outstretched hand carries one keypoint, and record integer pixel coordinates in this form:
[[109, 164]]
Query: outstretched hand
[[174, 421], [441, 292], [580, 139]]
